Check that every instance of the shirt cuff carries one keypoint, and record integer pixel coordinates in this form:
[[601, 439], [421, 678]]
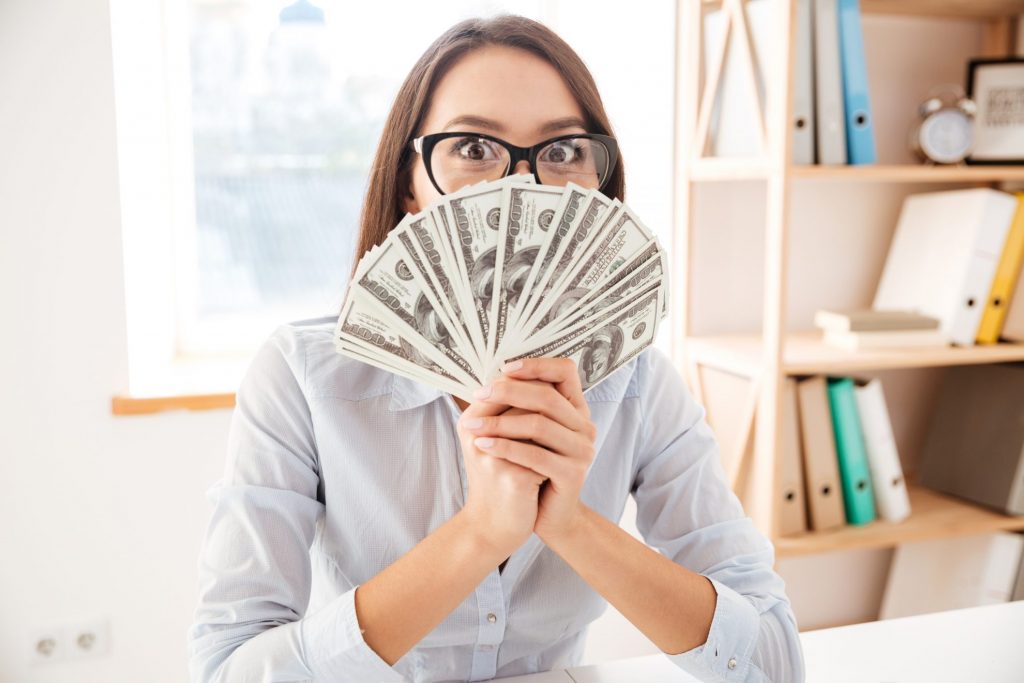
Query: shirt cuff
[[726, 655], [334, 647]]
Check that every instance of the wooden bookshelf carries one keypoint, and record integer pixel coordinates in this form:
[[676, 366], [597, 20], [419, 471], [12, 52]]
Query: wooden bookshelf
[[767, 357], [933, 515]]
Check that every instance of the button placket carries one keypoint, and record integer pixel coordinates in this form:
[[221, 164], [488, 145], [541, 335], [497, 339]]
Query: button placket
[[453, 410], [491, 630]]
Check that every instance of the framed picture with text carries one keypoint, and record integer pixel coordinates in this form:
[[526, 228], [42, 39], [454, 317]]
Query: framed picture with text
[[997, 88]]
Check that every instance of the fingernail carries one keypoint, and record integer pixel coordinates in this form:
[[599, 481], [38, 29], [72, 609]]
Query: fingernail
[[512, 366], [473, 422], [483, 392], [483, 441]]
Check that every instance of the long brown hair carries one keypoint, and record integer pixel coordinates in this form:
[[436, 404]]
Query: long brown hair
[[390, 175]]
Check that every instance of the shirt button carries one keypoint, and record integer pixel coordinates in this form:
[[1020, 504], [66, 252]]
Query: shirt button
[[491, 618], [732, 663]]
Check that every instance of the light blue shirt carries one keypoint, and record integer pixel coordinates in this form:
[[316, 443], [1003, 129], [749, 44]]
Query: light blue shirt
[[336, 468]]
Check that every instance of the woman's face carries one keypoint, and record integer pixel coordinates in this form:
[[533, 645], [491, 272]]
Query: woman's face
[[506, 92]]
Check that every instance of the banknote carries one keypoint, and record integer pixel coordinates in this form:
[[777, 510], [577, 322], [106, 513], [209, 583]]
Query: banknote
[[400, 291], [362, 325], [506, 269], [521, 232]]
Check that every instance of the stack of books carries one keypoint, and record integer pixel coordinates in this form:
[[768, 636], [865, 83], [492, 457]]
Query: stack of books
[[840, 464], [871, 329]]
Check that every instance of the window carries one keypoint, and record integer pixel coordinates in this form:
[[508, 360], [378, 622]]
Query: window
[[241, 203]]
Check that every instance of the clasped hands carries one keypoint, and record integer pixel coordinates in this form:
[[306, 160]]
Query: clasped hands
[[535, 416]]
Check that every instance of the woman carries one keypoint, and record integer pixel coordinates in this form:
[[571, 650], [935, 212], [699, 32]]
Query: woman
[[416, 524]]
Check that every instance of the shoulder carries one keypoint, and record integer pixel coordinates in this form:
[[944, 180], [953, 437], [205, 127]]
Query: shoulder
[[635, 379], [661, 389], [305, 350]]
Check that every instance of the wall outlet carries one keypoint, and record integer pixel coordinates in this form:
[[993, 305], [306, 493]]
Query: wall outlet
[[70, 641]]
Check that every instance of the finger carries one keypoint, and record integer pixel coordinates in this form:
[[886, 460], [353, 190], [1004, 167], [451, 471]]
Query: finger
[[537, 398], [535, 427], [485, 408], [540, 460], [562, 372]]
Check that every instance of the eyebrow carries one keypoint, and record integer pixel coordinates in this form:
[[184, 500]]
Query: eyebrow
[[549, 127]]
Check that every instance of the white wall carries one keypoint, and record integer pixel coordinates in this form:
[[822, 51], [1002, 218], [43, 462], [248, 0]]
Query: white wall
[[102, 517], [99, 517]]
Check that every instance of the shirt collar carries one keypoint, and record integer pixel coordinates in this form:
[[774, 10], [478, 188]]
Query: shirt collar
[[408, 393]]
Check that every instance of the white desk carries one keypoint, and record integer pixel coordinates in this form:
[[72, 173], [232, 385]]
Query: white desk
[[974, 644]]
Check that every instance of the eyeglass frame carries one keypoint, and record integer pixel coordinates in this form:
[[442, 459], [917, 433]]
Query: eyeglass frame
[[424, 146]]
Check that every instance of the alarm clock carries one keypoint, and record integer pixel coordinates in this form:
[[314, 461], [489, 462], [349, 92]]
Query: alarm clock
[[945, 132]]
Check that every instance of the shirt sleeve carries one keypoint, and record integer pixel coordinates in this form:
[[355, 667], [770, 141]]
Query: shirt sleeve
[[254, 565], [687, 510]]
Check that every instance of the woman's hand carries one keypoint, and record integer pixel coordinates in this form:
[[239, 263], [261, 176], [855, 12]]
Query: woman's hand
[[502, 497], [552, 435]]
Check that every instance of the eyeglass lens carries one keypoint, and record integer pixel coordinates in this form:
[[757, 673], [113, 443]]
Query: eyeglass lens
[[465, 160]]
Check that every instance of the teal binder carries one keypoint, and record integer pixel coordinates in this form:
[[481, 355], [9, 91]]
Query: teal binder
[[858, 495]]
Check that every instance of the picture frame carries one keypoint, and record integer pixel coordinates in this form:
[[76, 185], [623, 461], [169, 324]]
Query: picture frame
[[996, 85]]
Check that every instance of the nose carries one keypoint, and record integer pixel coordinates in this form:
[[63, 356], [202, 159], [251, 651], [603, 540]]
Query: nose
[[522, 167]]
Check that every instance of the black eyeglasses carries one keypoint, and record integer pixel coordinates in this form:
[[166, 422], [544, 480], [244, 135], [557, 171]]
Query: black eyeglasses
[[456, 159]]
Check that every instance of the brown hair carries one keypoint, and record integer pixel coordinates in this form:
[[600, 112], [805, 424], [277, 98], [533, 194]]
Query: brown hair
[[392, 165]]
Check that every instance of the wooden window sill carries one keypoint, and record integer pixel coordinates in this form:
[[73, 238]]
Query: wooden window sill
[[133, 405]]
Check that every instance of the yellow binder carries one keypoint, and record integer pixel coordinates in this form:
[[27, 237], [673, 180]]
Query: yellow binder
[[1005, 279]]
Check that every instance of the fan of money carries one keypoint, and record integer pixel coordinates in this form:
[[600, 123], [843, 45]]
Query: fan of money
[[502, 270]]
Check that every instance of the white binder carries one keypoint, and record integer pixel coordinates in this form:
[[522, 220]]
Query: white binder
[[883, 459], [951, 573], [944, 255], [828, 82]]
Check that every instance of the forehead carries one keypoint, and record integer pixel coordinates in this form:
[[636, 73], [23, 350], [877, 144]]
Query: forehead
[[516, 89]]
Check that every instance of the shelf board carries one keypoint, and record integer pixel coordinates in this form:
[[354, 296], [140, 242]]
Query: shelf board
[[805, 353], [711, 169], [932, 515], [976, 9], [971, 9], [728, 168], [910, 173]]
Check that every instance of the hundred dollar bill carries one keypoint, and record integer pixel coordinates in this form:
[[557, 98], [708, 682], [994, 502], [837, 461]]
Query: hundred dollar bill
[[427, 256], [619, 239], [527, 216], [577, 304], [547, 347], [361, 326], [574, 228], [474, 217], [398, 288], [403, 368], [618, 339]]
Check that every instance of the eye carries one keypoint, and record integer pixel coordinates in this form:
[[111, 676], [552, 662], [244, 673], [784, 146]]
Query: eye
[[564, 152], [474, 149]]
